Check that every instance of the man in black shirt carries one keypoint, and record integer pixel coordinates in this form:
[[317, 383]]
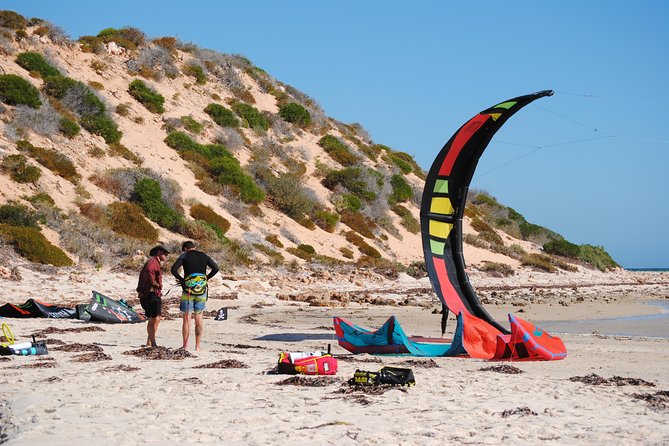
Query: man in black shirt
[[194, 284]]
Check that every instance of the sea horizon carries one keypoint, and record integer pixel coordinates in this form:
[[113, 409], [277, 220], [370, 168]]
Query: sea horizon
[[658, 270]]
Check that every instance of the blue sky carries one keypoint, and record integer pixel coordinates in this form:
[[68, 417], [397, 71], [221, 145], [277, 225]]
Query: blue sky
[[590, 162]]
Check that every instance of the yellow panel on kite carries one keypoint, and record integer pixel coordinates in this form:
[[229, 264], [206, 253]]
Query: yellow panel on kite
[[441, 205], [495, 116], [437, 247], [440, 229]]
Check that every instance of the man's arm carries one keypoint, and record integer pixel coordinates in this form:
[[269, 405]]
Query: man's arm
[[175, 268], [214, 268]]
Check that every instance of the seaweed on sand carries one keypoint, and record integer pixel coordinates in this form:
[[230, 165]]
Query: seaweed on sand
[[596, 380], [160, 353], [304, 381], [503, 368]]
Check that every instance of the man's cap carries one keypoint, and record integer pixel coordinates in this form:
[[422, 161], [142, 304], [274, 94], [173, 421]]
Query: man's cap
[[156, 249]]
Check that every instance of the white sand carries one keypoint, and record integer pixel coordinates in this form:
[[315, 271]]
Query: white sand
[[170, 402]]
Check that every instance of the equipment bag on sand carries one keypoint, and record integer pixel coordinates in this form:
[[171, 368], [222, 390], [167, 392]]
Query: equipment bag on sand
[[313, 363], [395, 376]]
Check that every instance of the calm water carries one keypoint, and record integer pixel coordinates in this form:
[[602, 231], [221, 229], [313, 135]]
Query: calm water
[[651, 270], [651, 325]]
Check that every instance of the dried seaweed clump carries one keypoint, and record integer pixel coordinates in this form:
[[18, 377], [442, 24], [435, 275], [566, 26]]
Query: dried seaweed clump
[[303, 381], [160, 353], [76, 347], [421, 363], [223, 364], [92, 357], [503, 368], [658, 400], [522, 411], [54, 330], [121, 368], [596, 380]]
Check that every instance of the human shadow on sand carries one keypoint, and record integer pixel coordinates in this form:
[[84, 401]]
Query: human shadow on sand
[[296, 337]]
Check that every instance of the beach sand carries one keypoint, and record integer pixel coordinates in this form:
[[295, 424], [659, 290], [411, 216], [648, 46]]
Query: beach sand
[[109, 397]]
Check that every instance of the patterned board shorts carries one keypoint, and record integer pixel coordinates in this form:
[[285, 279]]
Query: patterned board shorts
[[192, 304], [195, 294]]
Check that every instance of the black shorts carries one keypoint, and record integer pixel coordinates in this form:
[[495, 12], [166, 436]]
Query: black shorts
[[152, 304]]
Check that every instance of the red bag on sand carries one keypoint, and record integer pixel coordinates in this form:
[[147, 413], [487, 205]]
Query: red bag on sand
[[316, 363]]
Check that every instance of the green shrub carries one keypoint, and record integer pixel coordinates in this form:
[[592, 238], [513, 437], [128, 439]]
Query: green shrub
[[359, 223], [208, 215], [303, 251], [197, 72], [103, 126], [69, 128], [362, 245], [337, 150], [35, 63], [407, 219], [351, 202], [40, 198], [191, 124], [352, 179], [14, 90], [91, 44], [289, 195], [230, 173], [404, 166], [180, 141], [539, 261], [17, 215], [128, 219], [274, 239], [326, 220], [253, 118], [597, 257], [30, 243], [148, 97], [295, 114], [128, 37], [19, 169], [148, 195], [562, 248], [12, 20], [53, 160], [221, 115], [401, 190], [57, 86], [347, 253], [498, 269], [118, 149]]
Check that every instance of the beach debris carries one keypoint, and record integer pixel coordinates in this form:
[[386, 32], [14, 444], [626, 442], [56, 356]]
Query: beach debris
[[522, 411], [303, 381], [53, 341], [92, 357], [357, 358], [242, 346], [52, 379], [5, 358], [223, 364], [55, 330], [120, 368], [46, 363], [596, 380], [503, 368], [359, 393], [160, 353], [421, 363], [76, 347], [193, 380], [658, 400]]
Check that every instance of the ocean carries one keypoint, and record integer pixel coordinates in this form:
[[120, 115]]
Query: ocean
[[652, 270]]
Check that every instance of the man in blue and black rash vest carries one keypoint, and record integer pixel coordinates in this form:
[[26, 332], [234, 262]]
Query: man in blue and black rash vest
[[194, 285]]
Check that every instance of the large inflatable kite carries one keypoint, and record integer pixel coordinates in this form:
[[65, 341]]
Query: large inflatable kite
[[442, 211]]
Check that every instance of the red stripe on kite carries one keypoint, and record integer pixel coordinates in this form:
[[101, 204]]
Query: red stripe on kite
[[451, 297], [459, 142]]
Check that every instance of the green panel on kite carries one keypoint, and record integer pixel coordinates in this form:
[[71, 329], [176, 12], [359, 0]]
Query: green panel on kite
[[437, 247], [441, 186], [506, 105]]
